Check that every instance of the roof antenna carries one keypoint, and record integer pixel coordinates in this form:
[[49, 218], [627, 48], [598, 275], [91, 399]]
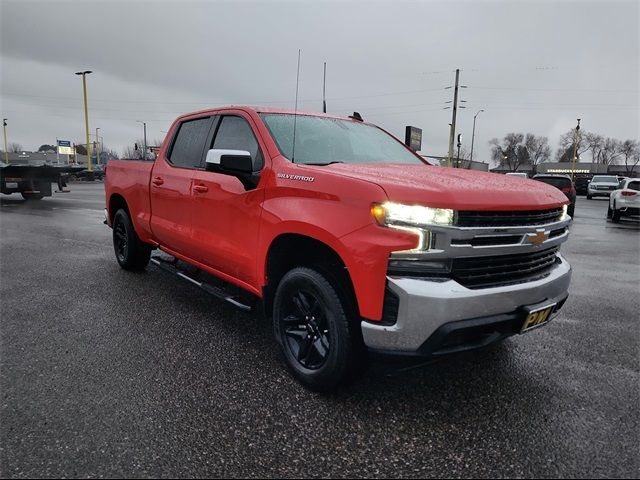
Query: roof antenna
[[324, 83], [295, 113]]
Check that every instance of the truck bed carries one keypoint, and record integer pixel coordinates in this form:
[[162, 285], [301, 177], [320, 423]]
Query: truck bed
[[131, 179]]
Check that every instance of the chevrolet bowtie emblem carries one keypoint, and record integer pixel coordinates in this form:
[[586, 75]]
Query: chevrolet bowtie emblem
[[538, 237]]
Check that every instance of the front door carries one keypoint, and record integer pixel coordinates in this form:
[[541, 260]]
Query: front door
[[226, 216]]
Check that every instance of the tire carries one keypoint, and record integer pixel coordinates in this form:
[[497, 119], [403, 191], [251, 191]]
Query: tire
[[609, 212], [588, 197], [130, 252], [615, 214], [571, 211], [316, 339], [31, 196]]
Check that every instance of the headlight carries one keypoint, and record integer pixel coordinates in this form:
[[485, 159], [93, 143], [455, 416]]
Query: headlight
[[396, 214], [412, 218], [564, 212]]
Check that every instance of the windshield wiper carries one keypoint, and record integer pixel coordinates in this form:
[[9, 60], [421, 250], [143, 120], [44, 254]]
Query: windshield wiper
[[324, 164]]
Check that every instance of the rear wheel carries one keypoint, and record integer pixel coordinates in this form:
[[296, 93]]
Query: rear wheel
[[615, 214], [131, 253], [588, 197], [313, 331]]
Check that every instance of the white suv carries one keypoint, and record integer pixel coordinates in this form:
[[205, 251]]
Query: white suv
[[625, 201], [602, 186]]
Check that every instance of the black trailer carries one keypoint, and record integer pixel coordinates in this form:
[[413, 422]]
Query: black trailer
[[34, 181]]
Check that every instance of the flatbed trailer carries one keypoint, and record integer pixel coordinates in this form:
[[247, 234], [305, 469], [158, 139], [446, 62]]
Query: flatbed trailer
[[33, 181]]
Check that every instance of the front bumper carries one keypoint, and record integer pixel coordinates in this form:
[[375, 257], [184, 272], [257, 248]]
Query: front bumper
[[427, 306]]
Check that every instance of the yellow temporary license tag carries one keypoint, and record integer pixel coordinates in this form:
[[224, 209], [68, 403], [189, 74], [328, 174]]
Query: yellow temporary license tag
[[537, 318]]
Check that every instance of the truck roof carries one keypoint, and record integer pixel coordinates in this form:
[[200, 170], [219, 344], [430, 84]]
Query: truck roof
[[263, 109]]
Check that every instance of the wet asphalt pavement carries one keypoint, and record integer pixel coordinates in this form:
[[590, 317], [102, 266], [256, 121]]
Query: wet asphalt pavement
[[107, 373]]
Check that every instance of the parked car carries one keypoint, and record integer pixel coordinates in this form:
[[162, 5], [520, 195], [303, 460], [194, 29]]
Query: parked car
[[517, 174], [625, 202], [581, 184], [346, 238], [602, 186], [562, 183]]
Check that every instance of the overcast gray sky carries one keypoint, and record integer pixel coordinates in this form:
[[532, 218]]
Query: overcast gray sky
[[532, 66]]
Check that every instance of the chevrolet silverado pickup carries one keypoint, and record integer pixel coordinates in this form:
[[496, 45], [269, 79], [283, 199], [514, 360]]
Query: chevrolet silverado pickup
[[342, 236]]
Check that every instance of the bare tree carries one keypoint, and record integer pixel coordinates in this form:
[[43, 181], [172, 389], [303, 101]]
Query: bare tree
[[630, 151], [135, 151], [566, 146], [610, 151], [596, 144], [537, 148], [512, 153], [15, 148]]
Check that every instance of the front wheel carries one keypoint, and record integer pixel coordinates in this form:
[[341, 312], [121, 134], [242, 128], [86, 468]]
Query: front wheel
[[131, 253], [313, 331]]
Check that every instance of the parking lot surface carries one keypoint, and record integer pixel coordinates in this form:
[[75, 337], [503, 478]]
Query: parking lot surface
[[109, 373]]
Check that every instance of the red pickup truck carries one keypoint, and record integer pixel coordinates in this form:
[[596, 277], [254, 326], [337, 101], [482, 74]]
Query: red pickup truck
[[344, 237]]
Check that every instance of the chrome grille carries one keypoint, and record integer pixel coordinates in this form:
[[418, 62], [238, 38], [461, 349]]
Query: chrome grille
[[508, 219]]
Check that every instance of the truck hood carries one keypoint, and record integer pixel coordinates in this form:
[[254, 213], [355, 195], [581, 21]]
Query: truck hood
[[455, 188]]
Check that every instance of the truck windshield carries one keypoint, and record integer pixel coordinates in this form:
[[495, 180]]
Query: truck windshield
[[321, 141]]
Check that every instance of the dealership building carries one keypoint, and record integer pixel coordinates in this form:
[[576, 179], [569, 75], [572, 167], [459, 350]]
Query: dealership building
[[583, 169]]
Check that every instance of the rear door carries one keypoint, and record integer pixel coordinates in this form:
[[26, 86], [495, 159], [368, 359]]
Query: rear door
[[226, 215], [171, 185]]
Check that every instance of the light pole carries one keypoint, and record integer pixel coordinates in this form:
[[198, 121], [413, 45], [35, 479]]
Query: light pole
[[473, 136], [86, 117], [97, 147], [576, 139], [6, 153], [144, 152]]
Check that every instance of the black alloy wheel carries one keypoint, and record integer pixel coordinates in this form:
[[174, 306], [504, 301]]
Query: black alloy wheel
[[306, 330], [120, 243], [131, 253], [320, 345]]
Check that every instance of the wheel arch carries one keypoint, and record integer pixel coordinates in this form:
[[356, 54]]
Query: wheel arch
[[290, 250], [117, 202]]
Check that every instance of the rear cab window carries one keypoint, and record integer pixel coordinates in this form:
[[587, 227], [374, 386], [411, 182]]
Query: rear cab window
[[188, 145]]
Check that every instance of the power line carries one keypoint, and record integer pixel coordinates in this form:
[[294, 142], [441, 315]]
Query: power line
[[584, 90]]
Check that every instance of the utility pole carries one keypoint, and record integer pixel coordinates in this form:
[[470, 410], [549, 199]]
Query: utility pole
[[473, 136], [452, 132], [6, 152], [576, 138], [144, 152], [86, 118]]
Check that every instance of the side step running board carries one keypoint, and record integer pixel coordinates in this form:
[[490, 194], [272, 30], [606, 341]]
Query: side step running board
[[171, 264]]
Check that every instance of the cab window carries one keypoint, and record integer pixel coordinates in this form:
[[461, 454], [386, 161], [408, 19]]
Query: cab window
[[188, 145], [234, 133]]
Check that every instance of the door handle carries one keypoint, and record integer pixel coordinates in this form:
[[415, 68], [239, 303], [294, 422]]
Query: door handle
[[157, 181], [201, 188]]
